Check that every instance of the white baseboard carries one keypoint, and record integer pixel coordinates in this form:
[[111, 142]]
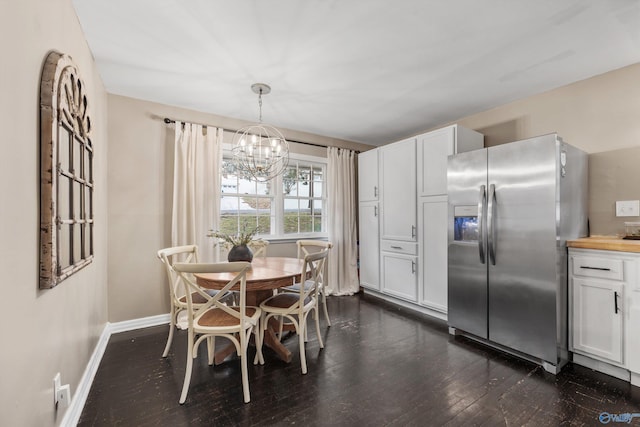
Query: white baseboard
[[74, 411], [606, 368], [410, 305]]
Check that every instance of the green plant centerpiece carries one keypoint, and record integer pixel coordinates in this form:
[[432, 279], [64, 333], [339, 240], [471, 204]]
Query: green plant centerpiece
[[237, 244]]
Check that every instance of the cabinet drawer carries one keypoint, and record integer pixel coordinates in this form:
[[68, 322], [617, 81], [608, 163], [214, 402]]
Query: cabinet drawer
[[399, 247], [604, 268]]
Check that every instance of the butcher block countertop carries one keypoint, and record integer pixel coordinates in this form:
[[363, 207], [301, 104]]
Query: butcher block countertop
[[605, 243]]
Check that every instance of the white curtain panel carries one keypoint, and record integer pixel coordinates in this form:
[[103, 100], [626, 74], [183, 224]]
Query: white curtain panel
[[196, 187], [342, 205]]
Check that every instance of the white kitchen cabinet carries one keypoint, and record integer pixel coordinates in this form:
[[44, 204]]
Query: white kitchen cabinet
[[433, 150], [398, 191], [434, 147], [433, 258], [369, 245], [400, 272], [368, 187], [598, 327], [604, 311]]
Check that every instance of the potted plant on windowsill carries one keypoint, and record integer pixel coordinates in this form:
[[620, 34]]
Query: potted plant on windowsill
[[240, 250]]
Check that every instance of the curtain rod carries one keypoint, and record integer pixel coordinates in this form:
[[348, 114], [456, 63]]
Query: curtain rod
[[172, 121]]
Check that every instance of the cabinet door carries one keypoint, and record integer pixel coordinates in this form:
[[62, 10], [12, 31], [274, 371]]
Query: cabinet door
[[369, 246], [433, 242], [400, 276], [597, 318], [368, 176], [398, 191], [433, 150]]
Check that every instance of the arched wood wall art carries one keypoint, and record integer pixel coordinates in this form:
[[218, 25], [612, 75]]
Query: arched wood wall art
[[66, 172]]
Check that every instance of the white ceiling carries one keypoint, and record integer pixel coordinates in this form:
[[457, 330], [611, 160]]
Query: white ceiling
[[372, 71]]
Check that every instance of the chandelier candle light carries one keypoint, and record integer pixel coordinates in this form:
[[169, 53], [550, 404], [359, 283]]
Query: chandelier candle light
[[260, 150]]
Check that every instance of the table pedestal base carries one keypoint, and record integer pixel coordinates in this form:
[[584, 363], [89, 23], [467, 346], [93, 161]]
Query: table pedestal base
[[270, 338]]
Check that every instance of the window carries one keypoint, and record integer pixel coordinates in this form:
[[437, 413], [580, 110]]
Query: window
[[66, 184], [302, 189], [290, 205]]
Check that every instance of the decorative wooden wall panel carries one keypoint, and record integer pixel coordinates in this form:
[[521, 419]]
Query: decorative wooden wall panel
[[66, 172]]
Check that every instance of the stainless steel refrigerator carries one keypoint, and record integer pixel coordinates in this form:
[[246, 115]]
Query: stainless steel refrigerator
[[512, 208]]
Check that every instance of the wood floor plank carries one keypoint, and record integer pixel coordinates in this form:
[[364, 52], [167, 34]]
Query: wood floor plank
[[381, 366]]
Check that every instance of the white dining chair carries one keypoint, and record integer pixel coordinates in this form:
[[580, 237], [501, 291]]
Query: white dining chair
[[307, 247], [295, 306], [216, 319], [177, 297]]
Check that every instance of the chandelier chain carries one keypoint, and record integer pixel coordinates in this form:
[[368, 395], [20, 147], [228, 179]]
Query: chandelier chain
[[260, 104]]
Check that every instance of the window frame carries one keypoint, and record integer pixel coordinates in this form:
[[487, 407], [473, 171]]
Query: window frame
[[277, 226], [65, 210]]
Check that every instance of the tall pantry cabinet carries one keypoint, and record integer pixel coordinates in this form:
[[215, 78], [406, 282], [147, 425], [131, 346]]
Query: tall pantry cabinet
[[368, 214], [398, 220], [403, 206], [433, 150]]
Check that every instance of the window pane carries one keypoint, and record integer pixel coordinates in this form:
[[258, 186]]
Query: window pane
[[264, 222], [291, 205], [228, 224], [290, 181], [248, 222], [264, 188], [87, 240], [291, 221], [64, 236], [63, 148], [317, 174], [88, 203], [77, 158], [64, 190], [77, 243], [317, 223], [229, 184], [77, 200], [246, 186], [306, 220], [87, 166], [317, 188], [229, 205], [91, 239]]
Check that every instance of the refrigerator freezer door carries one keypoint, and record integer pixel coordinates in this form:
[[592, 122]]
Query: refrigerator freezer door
[[467, 274], [523, 272]]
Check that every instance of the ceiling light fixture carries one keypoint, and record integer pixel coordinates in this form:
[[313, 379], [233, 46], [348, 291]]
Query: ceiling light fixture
[[260, 150]]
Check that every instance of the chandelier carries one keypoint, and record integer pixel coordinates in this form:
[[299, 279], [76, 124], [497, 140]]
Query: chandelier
[[259, 150]]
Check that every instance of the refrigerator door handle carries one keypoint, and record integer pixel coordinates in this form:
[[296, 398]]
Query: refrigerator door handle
[[491, 228], [482, 203]]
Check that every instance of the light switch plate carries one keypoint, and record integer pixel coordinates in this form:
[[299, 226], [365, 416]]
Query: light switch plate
[[628, 208]]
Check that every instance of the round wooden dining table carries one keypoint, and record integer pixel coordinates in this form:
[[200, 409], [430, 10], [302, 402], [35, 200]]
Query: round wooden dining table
[[265, 275]]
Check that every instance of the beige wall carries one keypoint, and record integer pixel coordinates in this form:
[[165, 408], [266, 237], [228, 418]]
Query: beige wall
[[56, 330], [140, 188], [600, 115]]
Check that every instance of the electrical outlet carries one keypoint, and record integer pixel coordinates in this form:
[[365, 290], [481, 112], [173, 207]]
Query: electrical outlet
[[56, 387], [628, 208], [61, 393], [64, 395]]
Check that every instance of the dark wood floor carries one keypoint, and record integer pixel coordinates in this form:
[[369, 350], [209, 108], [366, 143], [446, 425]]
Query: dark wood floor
[[381, 366]]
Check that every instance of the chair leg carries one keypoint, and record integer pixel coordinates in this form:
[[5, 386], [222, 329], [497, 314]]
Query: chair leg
[[280, 328], [326, 312], [261, 327], [318, 329], [187, 373], [243, 364], [172, 326], [257, 331], [211, 349], [301, 335]]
